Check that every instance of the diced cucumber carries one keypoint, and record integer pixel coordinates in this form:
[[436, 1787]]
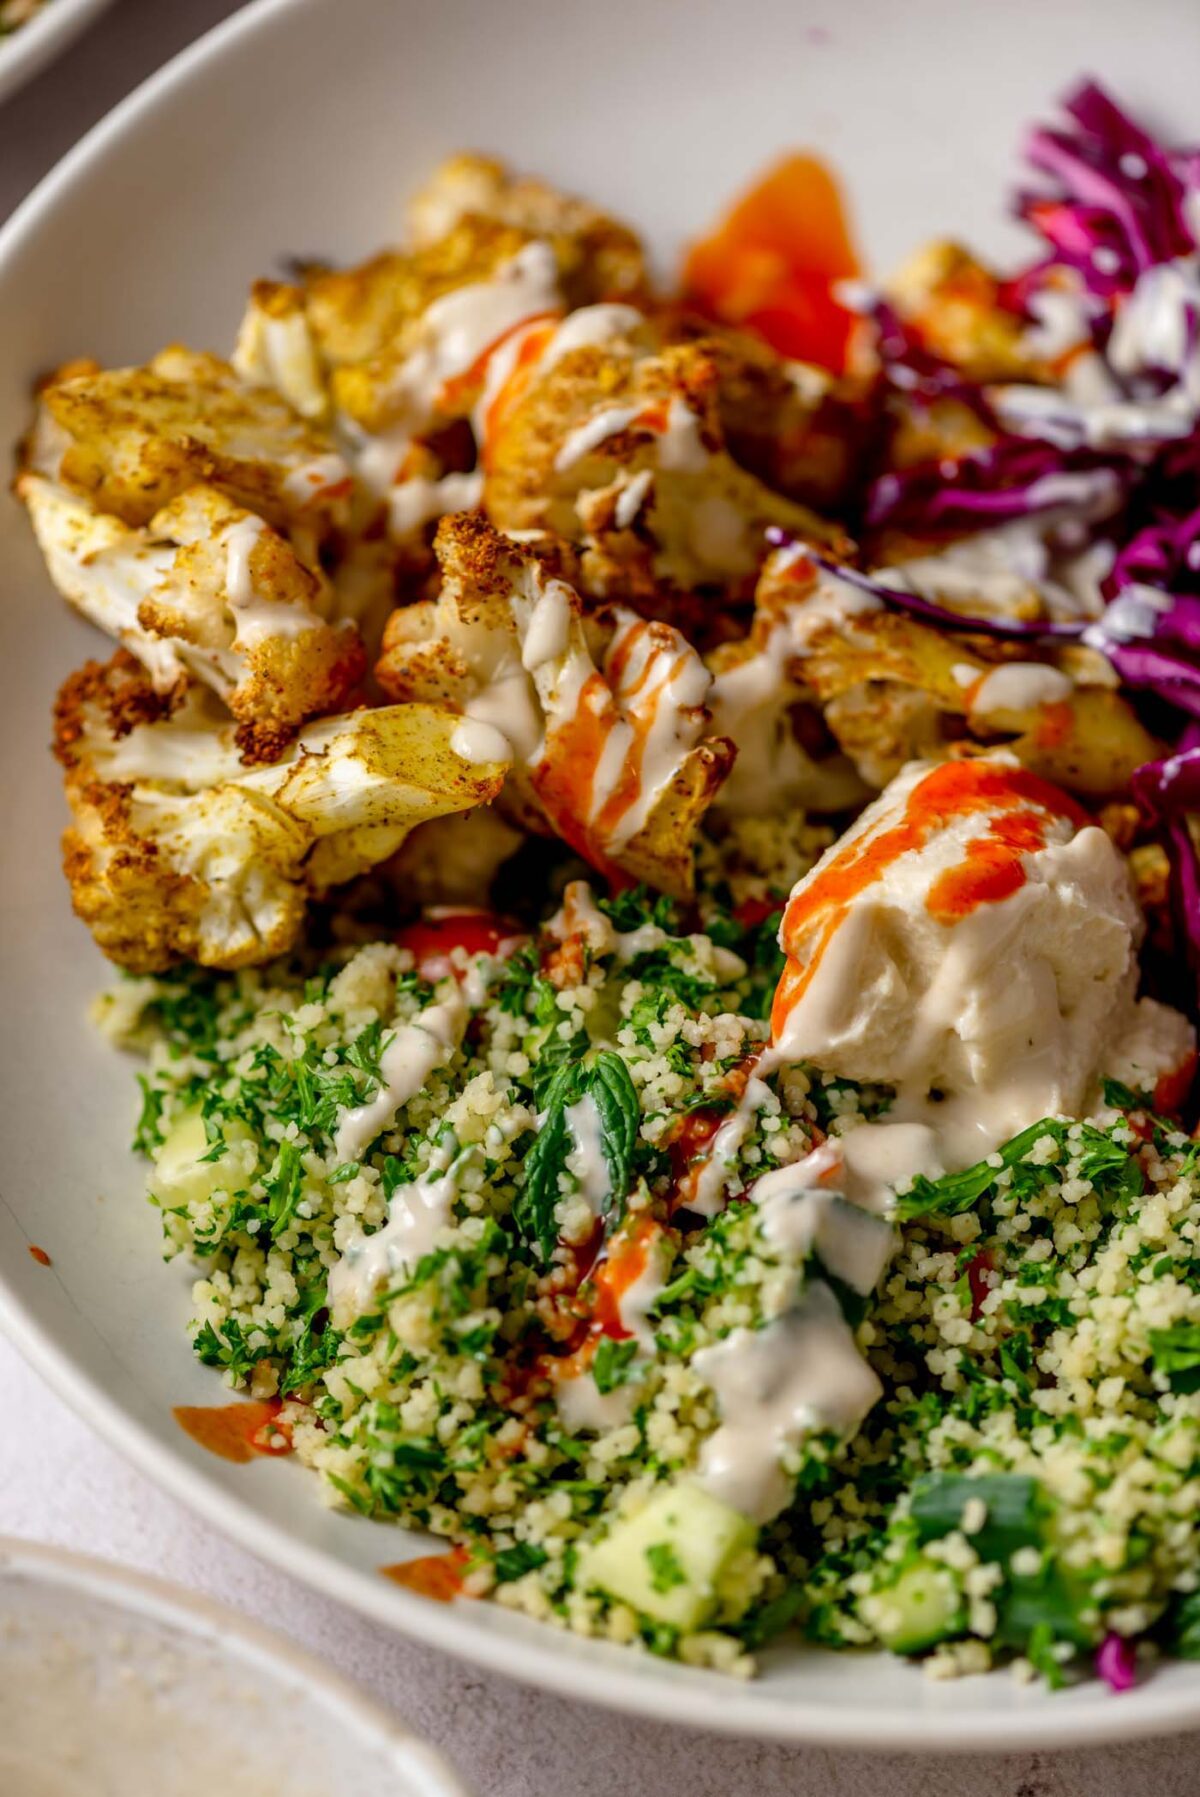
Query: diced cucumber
[[923, 1607], [667, 1561], [181, 1173]]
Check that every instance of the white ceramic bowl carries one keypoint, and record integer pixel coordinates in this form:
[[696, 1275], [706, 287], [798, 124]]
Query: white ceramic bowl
[[45, 36], [298, 128], [112, 1683]]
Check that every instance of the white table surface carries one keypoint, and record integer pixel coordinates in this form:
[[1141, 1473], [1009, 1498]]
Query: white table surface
[[65, 1485]]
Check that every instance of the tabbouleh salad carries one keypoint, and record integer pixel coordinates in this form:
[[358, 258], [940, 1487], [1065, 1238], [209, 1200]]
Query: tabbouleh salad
[[1025, 1485]]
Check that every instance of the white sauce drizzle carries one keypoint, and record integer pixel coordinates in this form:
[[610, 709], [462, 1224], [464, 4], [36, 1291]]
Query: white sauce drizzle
[[666, 683], [257, 619], [632, 498], [586, 1159], [476, 741], [592, 432], [417, 1214], [750, 702], [1133, 614], [773, 1386], [474, 324], [681, 449], [548, 631], [1020, 686], [314, 479], [638, 1300], [581, 1405], [712, 1179], [804, 1209], [586, 327], [417, 1048]]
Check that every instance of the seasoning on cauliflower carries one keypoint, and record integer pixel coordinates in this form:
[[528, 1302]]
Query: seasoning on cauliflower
[[133, 439], [177, 851], [619, 446], [205, 590]]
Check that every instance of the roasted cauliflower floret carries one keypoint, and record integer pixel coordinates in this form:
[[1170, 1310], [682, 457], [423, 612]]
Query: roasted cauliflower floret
[[801, 429], [133, 439], [205, 590], [276, 348], [606, 717], [786, 756], [600, 258], [403, 347], [952, 302], [893, 689], [401, 351], [177, 851], [620, 448]]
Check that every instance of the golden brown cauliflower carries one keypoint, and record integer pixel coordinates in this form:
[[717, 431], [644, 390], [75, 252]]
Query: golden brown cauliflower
[[892, 689], [951, 301], [399, 349], [133, 439], [600, 258], [177, 851], [619, 447], [801, 429], [205, 590], [606, 718]]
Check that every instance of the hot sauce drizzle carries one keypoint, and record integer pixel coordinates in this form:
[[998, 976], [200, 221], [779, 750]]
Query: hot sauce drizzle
[[590, 813], [459, 385], [991, 869], [499, 409]]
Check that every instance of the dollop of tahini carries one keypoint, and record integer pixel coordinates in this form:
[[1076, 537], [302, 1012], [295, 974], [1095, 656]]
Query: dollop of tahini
[[972, 942]]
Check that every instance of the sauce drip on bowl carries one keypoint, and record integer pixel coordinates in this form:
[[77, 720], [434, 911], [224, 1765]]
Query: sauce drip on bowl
[[236, 1432]]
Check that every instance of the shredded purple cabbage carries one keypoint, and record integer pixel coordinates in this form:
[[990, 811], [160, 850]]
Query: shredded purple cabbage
[[1114, 206], [1112, 455], [1016, 477], [1164, 554], [913, 369], [1116, 203], [1165, 791], [1116, 1662]]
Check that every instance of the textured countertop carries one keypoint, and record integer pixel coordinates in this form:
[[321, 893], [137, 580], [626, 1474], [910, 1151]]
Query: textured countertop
[[60, 1483]]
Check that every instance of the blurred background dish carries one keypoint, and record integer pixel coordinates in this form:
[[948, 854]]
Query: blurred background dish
[[28, 44], [111, 1682]]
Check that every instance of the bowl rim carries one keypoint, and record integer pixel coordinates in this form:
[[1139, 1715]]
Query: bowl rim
[[203, 1619], [47, 34], [703, 1700]]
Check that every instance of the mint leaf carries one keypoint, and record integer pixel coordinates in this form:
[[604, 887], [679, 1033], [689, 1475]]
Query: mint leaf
[[616, 1099], [605, 1079], [1016, 1510], [533, 1211]]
